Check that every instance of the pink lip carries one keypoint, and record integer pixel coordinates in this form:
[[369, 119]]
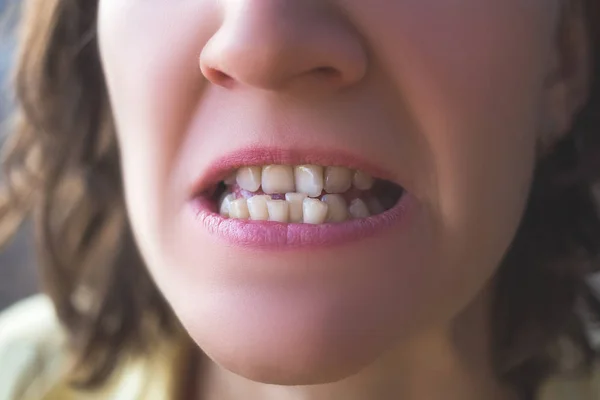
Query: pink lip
[[279, 236]]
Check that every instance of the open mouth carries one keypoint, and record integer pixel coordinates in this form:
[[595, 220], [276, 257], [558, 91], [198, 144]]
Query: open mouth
[[302, 194]]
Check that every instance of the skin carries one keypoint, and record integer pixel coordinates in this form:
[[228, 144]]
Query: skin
[[453, 98]]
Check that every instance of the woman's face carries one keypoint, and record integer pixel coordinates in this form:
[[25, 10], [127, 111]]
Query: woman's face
[[440, 101]]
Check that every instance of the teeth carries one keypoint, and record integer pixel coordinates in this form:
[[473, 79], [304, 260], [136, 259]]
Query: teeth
[[309, 179], [337, 208], [337, 179], [279, 210], [277, 179], [257, 206], [249, 178], [358, 209], [362, 180], [298, 208], [231, 179], [374, 206], [225, 203], [295, 201], [302, 186], [315, 211], [239, 209]]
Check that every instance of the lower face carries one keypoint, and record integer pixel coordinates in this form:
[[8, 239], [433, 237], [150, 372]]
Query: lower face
[[305, 211]]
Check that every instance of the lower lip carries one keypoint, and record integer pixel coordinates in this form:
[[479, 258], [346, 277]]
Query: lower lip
[[274, 235]]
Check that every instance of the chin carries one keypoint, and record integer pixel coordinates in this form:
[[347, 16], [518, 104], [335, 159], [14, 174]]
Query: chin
[[314, 362]]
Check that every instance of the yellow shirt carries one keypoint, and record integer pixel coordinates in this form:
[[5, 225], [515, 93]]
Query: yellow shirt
[[33, 361]]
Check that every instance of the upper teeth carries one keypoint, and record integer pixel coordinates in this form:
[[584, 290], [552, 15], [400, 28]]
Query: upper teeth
[[337, 179], [277, 179], [308, 179], [249, 178], [362, 181], [309, 194]]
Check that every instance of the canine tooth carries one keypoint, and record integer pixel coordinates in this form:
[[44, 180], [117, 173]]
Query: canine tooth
[[277, 179], [225, 203], [295, 201], [309, 179], [239, 209], [374, 206], [257, 207], [231, 179], [337, 179], [314, 210], [362, 180], [337, 207], [279, 210], [358, 209], [249, 178]]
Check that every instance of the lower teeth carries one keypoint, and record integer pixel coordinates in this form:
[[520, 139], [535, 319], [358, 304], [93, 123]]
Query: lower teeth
[[298, 208]]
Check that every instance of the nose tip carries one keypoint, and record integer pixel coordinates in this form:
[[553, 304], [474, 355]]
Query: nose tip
[[274, 44]]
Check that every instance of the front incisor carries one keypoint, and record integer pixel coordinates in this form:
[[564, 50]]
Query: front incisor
[[309, 179], [278, 179], [278, 210], [295, 201]]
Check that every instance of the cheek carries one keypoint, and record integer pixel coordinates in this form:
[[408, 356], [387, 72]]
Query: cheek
[[472, 80], [154, 87]]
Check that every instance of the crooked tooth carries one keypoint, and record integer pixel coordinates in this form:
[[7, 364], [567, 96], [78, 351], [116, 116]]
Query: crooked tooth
[[309, 179], [239, 209], [362, 181], [358, 209], [249, 178], [225, 203], [257, 207], [295, 201], [374, 206], [337, 179], [315, 211], [279, 210], [277, 179], [337, 208]]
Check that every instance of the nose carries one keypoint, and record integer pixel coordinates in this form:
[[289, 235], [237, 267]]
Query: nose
[[275, 44]]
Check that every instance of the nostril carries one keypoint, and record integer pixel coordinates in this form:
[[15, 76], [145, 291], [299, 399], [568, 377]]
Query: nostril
[[327, 73], [218, 77]]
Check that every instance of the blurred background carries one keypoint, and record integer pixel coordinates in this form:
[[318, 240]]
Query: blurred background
[[17, 261]]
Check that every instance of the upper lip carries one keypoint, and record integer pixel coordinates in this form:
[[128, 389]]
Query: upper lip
[[223, 166]]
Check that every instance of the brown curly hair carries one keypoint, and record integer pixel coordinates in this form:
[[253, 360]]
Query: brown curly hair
[[62, 167]]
